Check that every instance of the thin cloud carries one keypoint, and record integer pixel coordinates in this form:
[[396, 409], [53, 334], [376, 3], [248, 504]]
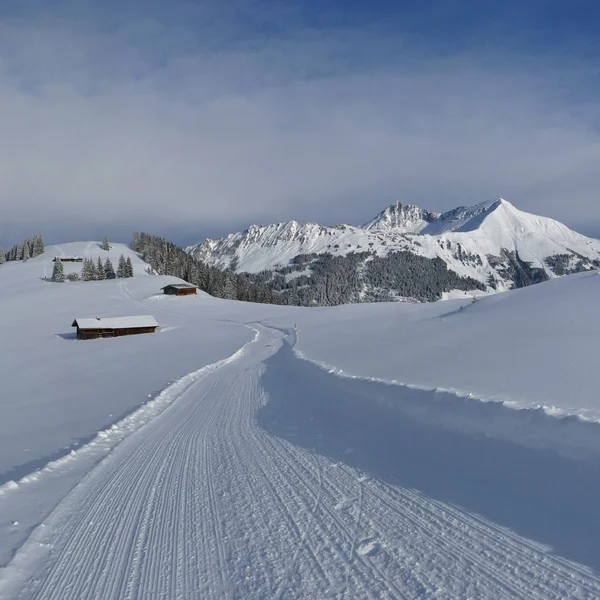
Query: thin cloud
[[99, 132]]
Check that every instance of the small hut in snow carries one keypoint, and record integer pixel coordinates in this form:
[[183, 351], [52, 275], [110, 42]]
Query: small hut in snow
[[104, 327], [179, 289], [68, 259]]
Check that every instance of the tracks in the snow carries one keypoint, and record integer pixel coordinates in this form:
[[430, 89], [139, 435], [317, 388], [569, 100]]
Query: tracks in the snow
[[205, 503]]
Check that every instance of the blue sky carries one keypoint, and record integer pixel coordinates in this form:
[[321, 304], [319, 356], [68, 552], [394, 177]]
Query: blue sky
[[194, 119]]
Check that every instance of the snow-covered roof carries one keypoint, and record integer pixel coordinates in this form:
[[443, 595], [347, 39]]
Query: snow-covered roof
[[179, 286], [115, 322]]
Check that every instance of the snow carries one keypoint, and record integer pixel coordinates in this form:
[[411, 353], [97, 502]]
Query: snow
[[116, 322], [256, 451], [483, 230], [533, 347], [181, 286], [368, 548], [405, 218], [58, 392]]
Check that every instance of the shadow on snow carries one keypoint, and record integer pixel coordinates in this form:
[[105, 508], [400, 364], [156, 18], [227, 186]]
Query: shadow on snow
[[535, 493]]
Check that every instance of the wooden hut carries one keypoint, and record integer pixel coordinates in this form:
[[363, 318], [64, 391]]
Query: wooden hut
[[179, 289], [101, 327]]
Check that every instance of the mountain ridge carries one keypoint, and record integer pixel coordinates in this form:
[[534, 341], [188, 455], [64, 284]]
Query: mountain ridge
[[489, 242]]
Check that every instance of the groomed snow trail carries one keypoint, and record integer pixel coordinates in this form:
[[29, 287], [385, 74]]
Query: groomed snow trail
[[203, 502]]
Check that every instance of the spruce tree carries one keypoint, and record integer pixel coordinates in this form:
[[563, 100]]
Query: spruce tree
[[100, 270], [109, 271], [128, 267], [38, 245], [88, 272], [228, 290], [2, 256], [85, 270], [122, 267], [105, 244], [58, 272], [93, 270]]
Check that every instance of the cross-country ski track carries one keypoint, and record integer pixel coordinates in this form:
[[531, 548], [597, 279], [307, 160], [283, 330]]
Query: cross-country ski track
[[244, 488]]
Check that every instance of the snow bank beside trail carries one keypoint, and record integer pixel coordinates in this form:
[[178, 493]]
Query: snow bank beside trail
[[24, 503], [110, 437], [523, 470], [534, 348], [537, 428]]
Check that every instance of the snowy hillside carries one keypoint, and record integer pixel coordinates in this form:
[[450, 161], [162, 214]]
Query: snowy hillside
[[43, 264], [493, 243], [437, 451], [531, 348]]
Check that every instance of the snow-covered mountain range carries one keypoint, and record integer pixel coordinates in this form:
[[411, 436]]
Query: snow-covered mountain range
[[493, 243]]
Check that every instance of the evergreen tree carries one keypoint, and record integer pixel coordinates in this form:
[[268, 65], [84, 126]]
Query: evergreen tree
[[229, 290], [88, 272], [128, 267], [93, 270], [2, 256], [28, 248], [58, 272], [105, 244], [109, 271], [38, 245], [17, 252], [122, 267], [100, 270]]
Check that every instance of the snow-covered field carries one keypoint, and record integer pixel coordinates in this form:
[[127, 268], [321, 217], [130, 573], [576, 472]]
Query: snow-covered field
[[420, 451], [536, 346]]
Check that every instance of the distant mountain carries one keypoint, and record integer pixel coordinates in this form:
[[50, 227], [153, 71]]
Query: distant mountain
[[404, 218], [492, 246]]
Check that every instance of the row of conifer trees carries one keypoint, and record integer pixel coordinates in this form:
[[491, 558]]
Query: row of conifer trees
[[29, 248], [166, 258], [94, 271]]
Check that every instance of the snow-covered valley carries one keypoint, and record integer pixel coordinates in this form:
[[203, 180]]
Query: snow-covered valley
[[447, 450]]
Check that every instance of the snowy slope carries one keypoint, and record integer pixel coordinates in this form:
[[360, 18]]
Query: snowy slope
[[91, 250], [407, 218], [252, 472], [535, 347], [473, 241], [74, 389]]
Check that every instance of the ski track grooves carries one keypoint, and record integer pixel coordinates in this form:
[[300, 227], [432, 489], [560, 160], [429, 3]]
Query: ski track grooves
[[203, 503]]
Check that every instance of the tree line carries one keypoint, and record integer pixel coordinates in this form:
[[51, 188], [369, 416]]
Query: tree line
[[28, 248], [94, 270], [312, 279], [328, 280], [166, 258]]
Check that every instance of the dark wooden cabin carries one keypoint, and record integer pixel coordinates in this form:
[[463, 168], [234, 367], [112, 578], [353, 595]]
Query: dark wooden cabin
[[108, 327], [68, 259], [179, 289]]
